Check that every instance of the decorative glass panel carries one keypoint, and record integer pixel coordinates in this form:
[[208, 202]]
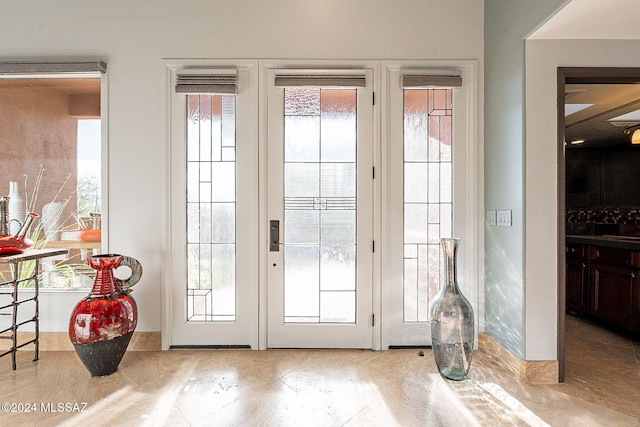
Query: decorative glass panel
[[302, 273], [337, 125], [337, 307], [338, 180], [320, 205], [302, 142], [337, 268], [427, 195], [211, 208], [338, 226], [301, 226], [301, 179]]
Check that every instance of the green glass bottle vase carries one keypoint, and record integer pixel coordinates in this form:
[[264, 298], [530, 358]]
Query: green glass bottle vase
[[452, 324]]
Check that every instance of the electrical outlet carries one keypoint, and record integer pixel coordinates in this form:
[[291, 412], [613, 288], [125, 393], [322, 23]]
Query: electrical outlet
[[491, 217], [504, 218]]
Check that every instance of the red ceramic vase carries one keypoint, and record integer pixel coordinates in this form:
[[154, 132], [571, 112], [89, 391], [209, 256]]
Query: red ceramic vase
[[102, 323]]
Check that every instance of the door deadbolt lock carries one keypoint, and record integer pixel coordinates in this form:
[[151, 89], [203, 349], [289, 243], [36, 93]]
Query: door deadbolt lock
[[274, 236]]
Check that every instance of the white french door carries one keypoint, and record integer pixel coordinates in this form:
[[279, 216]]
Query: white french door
[[214, 231], [320, 159]]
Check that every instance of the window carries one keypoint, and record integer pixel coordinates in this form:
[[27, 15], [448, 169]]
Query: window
[[88, 180], [427, 195], [211, 207], [50, 146]]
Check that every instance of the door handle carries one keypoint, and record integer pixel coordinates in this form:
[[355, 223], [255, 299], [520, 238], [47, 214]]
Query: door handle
[[274, 235]]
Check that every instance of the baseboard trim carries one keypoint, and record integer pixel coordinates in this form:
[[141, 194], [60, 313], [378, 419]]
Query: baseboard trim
[[59, 341], [528, 371]]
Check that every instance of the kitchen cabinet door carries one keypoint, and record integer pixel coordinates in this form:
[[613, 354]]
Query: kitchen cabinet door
[[577, 286], [615, 295]]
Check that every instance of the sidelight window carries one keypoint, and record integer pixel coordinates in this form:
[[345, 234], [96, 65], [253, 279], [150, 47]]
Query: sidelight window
[[211, 207], [427, 194]]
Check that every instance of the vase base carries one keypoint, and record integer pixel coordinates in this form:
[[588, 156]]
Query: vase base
[[101, 358], [455, 374]]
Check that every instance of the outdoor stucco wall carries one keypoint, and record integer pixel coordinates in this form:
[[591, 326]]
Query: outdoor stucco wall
[[36, 132]]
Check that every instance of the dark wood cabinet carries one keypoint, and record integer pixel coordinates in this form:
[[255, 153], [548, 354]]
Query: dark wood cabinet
[[603, 283], [577, 280], [615, 295], [615, 256]]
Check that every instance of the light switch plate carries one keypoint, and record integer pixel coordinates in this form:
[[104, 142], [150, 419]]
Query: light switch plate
[[504, 218], [491, 217]]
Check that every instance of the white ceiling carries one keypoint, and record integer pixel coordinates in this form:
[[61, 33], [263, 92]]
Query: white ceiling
[[593, 19], [599, 124], [596, 20]]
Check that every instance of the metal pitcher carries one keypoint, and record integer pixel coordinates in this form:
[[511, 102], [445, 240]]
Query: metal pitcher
[[5, 221], [4, 216], [18, 243]]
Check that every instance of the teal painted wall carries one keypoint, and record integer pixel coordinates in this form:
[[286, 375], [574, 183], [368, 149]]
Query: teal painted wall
[[507, 24]]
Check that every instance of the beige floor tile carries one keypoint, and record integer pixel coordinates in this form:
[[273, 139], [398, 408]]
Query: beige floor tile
[[325, 388], [274, 404]]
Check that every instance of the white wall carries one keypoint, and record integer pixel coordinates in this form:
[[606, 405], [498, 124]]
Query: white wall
[[133, 37], [543, 57]]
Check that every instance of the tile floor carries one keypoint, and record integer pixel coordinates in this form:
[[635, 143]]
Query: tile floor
[[324, 388]]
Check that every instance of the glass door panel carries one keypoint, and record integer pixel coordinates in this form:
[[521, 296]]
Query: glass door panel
[[427, 195], [319, 205], [211, 210], [320, 280]]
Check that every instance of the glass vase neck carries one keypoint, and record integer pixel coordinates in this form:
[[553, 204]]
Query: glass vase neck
[[450, 250]]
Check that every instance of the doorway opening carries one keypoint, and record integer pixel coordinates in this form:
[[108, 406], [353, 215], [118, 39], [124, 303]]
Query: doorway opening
[[595, 107]]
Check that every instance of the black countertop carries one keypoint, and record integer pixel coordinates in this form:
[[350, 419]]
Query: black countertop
[[622, 242]]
